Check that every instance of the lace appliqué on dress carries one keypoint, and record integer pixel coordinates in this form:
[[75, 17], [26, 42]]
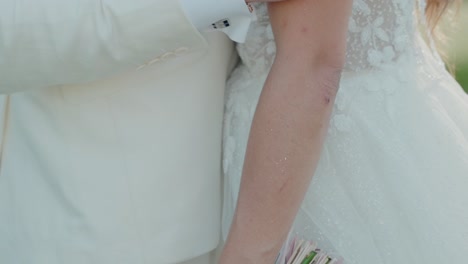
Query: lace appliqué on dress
[[379, 32]]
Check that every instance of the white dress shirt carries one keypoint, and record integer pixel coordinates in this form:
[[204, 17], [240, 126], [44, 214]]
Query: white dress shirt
[[230, 16]]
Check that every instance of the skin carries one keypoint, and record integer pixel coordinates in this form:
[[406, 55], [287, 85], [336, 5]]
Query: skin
[[254, 1], [289, 126]]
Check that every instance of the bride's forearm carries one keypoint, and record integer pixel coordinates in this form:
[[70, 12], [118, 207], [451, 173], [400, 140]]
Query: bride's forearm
[[289, 127], [283, 151]]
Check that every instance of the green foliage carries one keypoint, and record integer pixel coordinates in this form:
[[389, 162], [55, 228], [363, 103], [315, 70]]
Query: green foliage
[[462, 75], [460, 48]]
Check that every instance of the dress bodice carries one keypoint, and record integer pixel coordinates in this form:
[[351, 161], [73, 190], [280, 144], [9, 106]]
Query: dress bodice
[[379, 32]]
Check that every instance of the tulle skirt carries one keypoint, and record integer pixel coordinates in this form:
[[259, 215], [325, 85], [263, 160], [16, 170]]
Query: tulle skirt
[[392, 182]]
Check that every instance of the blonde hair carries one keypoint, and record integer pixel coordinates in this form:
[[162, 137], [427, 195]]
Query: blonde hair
[[436, 9], [435, 12]]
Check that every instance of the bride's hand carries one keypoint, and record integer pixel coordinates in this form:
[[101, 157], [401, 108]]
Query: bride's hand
[[264, 1], [241, 253]]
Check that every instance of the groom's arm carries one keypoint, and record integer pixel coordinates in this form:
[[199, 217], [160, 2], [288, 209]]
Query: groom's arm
[[54, 42]]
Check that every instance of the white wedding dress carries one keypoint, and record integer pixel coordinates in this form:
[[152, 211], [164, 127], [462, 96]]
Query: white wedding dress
[[392, 182]]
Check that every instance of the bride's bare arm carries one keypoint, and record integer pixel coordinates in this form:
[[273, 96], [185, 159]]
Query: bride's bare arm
[[289, 125]]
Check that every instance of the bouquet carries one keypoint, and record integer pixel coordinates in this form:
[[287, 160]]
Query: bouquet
[[306, 252]]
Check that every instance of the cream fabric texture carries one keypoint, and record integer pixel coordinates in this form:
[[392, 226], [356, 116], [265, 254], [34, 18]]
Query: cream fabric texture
[[112, 132], [52, 42]]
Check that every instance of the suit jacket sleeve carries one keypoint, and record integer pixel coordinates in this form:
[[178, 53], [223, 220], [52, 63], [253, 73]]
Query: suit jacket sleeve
[[46, 43]]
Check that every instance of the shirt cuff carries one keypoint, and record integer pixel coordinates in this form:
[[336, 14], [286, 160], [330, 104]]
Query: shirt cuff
[[203, 13]]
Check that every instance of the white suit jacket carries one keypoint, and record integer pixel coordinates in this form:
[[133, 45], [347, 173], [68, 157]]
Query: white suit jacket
[[111, 119]]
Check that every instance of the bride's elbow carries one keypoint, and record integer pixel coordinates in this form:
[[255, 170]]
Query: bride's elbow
[[314, 78], [322, 81], [328, 82]]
